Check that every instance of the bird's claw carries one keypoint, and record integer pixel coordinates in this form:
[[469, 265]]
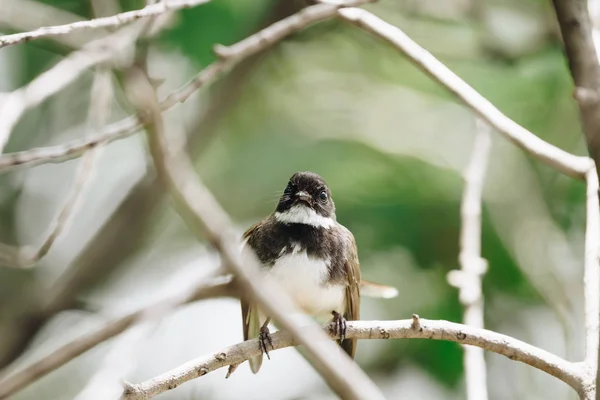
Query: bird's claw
[[263, 338], [339, 325]]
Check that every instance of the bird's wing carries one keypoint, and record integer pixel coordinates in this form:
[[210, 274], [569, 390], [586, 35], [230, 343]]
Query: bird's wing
[[250, 314], [352, 311]]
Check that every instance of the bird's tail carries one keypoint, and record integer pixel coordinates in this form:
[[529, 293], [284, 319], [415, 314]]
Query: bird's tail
[[254, 324], [377, 290]]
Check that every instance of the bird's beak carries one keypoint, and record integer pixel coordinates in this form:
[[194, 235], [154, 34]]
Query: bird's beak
[[303, 196]]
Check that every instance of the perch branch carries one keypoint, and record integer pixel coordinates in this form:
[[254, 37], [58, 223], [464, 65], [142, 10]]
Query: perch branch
[[219, 287], [473, 266], [415, 328], [205, 217], [112, 21], [569, 164], [228, 57]]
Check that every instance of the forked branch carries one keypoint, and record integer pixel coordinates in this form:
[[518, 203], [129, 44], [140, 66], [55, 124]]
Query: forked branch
[[415, 328]]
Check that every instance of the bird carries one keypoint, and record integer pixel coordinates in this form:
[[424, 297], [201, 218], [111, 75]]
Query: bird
[[312, 257]]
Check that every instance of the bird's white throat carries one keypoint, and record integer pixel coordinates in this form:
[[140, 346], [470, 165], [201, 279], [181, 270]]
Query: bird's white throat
[[301, 214]]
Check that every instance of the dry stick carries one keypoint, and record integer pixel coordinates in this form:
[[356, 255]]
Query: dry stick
[[14, 104], [415, 328], [569, 164], [205, 217], [230, 56], [112, 21], [25, 15], [216, 287], [575, 166], [576, 29], [473, 266], [575, 25], [591, 280], [100, 102]]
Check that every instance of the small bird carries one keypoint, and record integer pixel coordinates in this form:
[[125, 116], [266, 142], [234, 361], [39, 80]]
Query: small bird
[[312, 257]]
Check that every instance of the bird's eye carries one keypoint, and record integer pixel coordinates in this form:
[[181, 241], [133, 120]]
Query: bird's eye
[[323, 195]]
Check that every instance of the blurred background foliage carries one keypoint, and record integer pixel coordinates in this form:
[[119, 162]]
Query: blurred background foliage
[[331, 99]]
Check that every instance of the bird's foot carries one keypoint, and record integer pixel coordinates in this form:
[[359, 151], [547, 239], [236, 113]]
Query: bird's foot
[[339, 325], [264, 338]]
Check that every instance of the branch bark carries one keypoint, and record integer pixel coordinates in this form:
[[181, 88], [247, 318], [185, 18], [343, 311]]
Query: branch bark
[[229, 57], [104, 22], [569, 164], [221, 287], [575, 26], [576, 29], [473, 266], [416, 328]]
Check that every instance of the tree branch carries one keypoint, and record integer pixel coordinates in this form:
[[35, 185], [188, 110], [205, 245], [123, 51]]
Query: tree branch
[[415, 328], [473, 266], [220, 287], [112, 21], [229, 57], [569, 164], [14, 104], [100, 101], [575, 26], [591, 277], [205, 217]]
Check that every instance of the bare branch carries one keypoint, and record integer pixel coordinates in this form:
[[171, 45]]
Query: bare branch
[[112, 21], [591, 272], [14, 104], [568, 372], [219, 287], [230, 56], [569, 164], [100, 102], [25, 15], [205, 217], [575, 25], [473, 266]]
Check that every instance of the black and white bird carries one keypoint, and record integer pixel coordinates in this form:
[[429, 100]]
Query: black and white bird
[[312, 257]]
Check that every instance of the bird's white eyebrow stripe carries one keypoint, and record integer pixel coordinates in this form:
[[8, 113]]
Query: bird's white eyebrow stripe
[[300, 214]]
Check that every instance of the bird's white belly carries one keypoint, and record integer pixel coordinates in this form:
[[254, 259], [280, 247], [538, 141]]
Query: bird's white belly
[[303, 278]]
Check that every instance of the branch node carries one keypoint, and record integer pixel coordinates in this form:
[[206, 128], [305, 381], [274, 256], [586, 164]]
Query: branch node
[[585, 96], [129, 388], [221, 356], [231, 369], [222, 52], [416, 323], [383, 333]]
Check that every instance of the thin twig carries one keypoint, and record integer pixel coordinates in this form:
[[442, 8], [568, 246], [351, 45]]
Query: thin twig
[[14, 104], [26, 15], [576, 28], [219, 287], [205, 217], [473, 266], [569, 164], [229, 57], [100, 102], [514, 349], [112, 21], [591, 273]]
